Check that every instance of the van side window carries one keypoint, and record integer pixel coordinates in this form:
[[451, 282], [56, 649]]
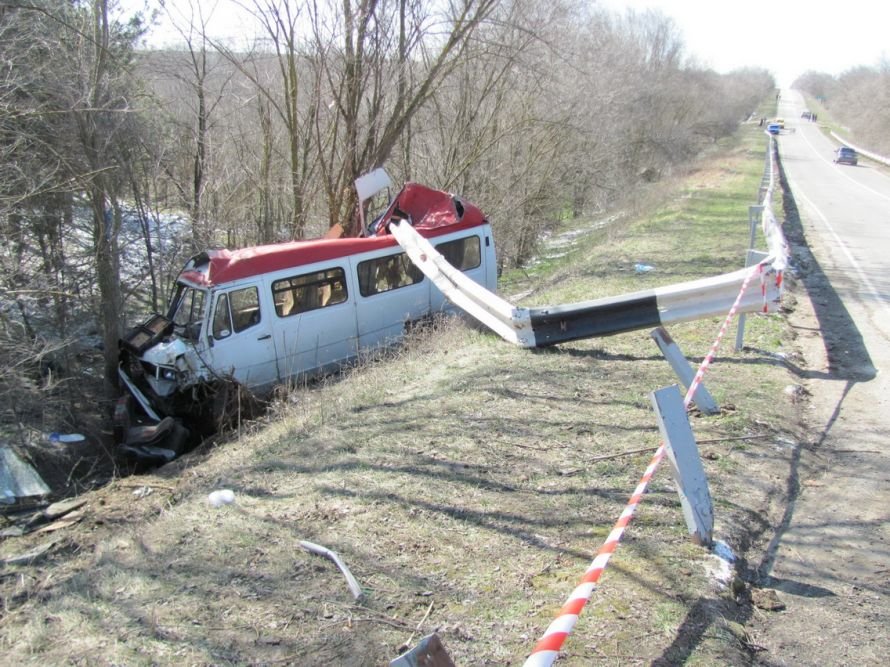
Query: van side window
[[245, 308], [309, 291], [463, 254], [189, 311], [236, 311], [387, 273], [222, 321]]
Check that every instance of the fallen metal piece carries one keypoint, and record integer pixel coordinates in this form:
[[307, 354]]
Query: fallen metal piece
[[319, 550], [428, 653], [30, 556], [63, 507], [18, 479]]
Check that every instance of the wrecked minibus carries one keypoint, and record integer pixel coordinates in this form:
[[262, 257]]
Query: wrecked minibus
[[261, 316]]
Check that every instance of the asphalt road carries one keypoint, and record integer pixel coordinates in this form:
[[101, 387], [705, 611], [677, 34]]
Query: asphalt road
[[829, 557]]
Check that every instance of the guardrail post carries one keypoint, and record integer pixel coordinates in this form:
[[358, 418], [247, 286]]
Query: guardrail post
[[686, 465], [767, 171], [755, 215], [683, 370], [753, 257]]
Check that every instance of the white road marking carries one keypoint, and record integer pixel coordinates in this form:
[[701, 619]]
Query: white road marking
[[841, 171], [877, 296]]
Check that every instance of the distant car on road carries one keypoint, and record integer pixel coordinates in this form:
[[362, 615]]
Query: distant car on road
[[846, 155], [807, 115], [773, 128]]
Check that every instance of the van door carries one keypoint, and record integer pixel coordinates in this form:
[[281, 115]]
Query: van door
[[392, 292], [314, 319], [241, 338]]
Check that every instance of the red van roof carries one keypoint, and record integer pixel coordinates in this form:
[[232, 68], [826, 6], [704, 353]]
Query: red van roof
[[433, 213]]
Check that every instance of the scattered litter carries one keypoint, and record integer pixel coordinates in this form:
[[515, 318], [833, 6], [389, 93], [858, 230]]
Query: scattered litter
[[796, 392], [643, 268], [221, 497], [724, 551], [65, 437], [143, 491]]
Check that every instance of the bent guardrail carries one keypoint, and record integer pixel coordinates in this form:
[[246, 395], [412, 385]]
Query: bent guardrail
[[548, 325]]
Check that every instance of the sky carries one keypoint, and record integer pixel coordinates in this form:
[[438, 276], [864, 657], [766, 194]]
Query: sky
[[786, 37]]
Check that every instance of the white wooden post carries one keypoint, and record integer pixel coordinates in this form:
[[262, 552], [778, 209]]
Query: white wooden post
[[689, 474], [755, 215], [683, 370]]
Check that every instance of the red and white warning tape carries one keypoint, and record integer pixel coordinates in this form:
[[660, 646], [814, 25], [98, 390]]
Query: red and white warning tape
[[696, 381], [550, 643]]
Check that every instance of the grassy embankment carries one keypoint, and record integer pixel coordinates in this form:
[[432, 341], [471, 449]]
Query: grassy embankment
[[466, 483]]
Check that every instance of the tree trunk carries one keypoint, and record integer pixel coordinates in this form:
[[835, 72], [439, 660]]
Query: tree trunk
[[106, 222]]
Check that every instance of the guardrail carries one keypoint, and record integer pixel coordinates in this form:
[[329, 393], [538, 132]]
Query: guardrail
[[678, 442], [777, 248], [862, 151], [549, 325]]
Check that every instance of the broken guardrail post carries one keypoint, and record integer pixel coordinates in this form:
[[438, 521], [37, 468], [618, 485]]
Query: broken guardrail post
[[683, 370], [428, 653], [686, 465], [755, 216]]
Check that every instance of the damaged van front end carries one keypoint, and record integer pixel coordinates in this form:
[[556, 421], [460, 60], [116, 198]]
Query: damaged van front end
[[162, 365]]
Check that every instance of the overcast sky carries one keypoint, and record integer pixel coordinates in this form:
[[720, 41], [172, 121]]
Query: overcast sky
[[787, 37]]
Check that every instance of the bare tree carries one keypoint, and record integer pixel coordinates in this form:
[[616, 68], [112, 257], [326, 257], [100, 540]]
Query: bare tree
[[383, 60], [293, 103], [72, 114]]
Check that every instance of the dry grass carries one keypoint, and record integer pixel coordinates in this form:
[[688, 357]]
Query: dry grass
[[462, 481]]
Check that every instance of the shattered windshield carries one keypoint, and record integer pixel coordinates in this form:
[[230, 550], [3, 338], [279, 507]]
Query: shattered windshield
[[187, 311]]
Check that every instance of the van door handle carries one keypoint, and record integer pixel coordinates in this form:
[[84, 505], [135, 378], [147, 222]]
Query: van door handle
[[266, 337]]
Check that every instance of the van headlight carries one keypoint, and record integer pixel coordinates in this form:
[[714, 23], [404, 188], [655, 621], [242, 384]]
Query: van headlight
[[167, 373]]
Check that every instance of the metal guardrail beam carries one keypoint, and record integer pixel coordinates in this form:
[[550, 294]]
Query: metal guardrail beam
[[548, 325]]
